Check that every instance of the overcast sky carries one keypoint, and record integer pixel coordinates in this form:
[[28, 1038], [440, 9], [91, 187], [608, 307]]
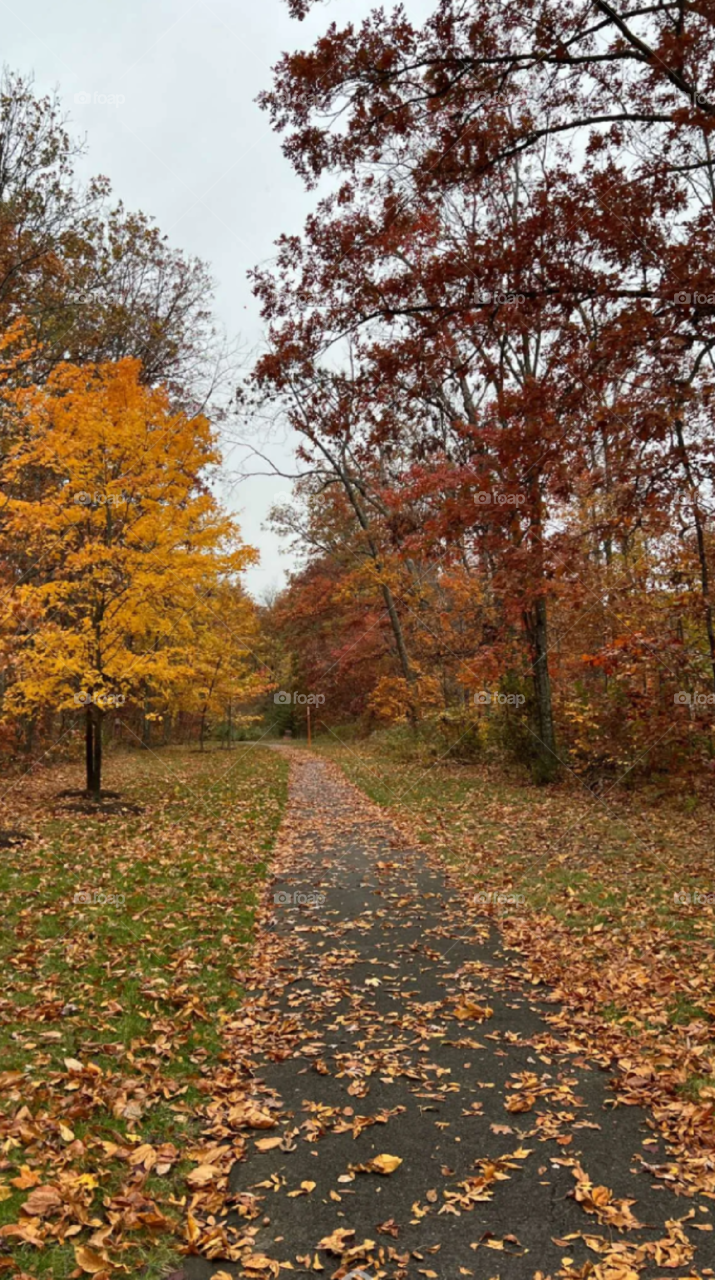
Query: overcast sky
[[173, 123]]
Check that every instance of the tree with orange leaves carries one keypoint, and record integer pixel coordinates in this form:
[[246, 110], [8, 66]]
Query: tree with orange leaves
[[123, 547]]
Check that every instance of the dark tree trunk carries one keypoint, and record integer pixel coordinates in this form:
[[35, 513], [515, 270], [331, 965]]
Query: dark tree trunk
[[536, 624], [89, 747], [93, 750], [98, 754], [537, 634], [700, 540], [407, 672]]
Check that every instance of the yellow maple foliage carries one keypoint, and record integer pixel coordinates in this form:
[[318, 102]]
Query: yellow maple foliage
[[125, 555]]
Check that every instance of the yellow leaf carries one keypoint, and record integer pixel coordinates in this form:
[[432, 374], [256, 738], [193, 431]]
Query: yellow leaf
[[89, 1260], [267, 1144], [337, 1242], [26, 1178], [467, 1009], [259, 1262], [380, 1164], [203, 1174], [258, 1119]]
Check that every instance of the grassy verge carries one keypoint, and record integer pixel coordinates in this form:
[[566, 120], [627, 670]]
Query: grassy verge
[[611, 896], [123, 942]]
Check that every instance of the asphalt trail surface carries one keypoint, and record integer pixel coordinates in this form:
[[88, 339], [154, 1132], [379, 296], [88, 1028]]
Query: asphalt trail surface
[[385, 1019]]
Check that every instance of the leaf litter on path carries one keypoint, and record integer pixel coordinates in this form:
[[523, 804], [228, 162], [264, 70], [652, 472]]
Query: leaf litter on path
[[366, 993]]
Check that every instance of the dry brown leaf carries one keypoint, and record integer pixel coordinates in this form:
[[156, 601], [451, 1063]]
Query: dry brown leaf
[[381, 1164], [90, 1261], [203, 1174], [267, 1144], [259, 1262], [42, 1202], [467, 1009], [337, 1241], [257, 1119]]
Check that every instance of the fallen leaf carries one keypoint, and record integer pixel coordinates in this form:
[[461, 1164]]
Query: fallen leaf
[[42, 1202], [203, 1174], [267, 1144], [337, 1241], [89, 1261]]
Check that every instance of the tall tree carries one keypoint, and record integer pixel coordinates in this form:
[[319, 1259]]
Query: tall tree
[[107, 493], [93, 281]]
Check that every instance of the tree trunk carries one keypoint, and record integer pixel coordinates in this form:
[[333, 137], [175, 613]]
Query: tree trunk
[[93, 751], [397, 632], [408, 673], [89, 747], [536, 625], [98, 754], [146, 723], [702, 551]]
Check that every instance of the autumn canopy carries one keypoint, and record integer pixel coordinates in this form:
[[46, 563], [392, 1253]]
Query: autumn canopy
[[495, 341]]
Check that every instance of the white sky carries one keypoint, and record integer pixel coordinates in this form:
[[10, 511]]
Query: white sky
[[188, 145]]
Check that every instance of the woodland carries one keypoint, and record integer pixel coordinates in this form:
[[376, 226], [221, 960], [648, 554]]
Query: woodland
[[492, 344], [494, 341]]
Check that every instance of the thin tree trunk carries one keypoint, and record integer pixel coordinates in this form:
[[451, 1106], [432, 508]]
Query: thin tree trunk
[[410, 676], [205, 707], [351, 491], [98, 755], [89, 747], [702, 553], [388, 597], [93, 750]]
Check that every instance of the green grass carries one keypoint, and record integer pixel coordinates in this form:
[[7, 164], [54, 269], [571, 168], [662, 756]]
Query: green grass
[[584, 858], [134, 982], [602, 873], [693, 1087]]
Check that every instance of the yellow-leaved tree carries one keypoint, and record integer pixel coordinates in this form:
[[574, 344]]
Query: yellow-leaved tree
[[226, 628], [125, 546]]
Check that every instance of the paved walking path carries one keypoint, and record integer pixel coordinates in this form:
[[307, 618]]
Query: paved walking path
[[385, 1021]]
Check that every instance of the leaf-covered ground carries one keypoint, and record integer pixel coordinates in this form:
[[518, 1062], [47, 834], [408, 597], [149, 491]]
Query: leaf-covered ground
[[407, 1099], [610, 898], [124, 938], [376, 1082]]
